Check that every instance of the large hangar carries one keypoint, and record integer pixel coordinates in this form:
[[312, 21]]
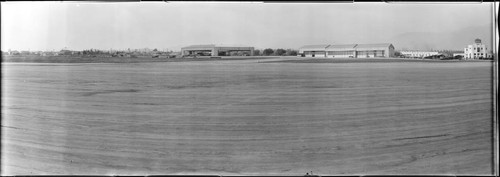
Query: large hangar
[[313, 50], [348, 51], [216, 50]]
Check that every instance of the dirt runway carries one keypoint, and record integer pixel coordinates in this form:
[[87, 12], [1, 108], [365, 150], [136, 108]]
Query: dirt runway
[[247, 118]]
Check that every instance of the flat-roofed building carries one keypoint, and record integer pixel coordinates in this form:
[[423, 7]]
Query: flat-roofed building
[[216, 50]]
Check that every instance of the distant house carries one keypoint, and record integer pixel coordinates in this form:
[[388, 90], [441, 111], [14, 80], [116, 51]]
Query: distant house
[[65, 52], [50, 53], [25, 52]]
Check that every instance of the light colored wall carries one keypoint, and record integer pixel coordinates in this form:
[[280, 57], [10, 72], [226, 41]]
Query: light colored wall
[[390, 52], [470, 51]]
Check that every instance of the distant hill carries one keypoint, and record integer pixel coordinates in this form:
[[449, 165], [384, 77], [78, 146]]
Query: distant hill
[[454, 40]]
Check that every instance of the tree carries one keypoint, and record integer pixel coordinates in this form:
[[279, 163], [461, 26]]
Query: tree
[[256, 52], [397, 53], [268, 51], [290, 52], [279, 52]]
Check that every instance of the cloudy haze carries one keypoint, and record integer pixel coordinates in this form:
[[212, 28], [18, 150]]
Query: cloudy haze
[[77, 26]]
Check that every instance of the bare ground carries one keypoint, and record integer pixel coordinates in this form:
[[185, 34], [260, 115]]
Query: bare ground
[[245, 118]]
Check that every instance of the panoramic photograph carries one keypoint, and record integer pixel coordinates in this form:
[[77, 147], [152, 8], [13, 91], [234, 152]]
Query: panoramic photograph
[[248, 88]]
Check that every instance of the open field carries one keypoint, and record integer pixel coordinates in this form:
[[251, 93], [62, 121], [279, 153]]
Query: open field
[[245, 118]]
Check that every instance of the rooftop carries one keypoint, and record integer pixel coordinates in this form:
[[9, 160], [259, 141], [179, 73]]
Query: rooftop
[[215, 45], [342, 46], [321, 46], [373, 45]]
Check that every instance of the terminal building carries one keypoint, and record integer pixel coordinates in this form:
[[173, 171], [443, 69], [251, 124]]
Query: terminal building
[[216, 50], [476, 51], [348, 51]]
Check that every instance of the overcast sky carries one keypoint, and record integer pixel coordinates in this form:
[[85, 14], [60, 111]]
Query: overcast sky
[[77, 26]]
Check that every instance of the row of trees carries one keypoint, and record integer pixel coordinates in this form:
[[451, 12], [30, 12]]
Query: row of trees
[[275, 52]]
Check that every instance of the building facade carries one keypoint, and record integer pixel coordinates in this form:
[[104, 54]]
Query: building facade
[[215, 50], [348, 51], [476, 51], [313, 51]]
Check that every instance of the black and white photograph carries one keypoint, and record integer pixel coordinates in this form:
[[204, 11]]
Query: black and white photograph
[[249, 88]]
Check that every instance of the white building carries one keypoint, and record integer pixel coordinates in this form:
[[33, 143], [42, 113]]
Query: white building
[[476, 51], [418, 54], [348, 51]]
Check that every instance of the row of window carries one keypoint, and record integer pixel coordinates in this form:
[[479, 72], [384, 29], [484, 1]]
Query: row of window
[[477, 49], [377, 53], [380, 53], [314, 52], [340, 52]]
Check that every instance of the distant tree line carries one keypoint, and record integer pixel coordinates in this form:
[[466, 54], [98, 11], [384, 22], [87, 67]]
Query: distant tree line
[[94, 52], [275, 52]]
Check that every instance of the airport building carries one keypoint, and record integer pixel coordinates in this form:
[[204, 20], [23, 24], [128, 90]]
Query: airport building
[[313, 50], [216, 50], [476, 51], [418, 54], [348, 51]]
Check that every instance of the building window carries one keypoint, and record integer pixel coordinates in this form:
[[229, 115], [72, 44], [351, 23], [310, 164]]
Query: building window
[[319, 53], [379, 53], [340, 53]]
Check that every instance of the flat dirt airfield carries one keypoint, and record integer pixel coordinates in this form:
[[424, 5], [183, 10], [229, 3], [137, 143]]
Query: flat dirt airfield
[[247, 117]]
